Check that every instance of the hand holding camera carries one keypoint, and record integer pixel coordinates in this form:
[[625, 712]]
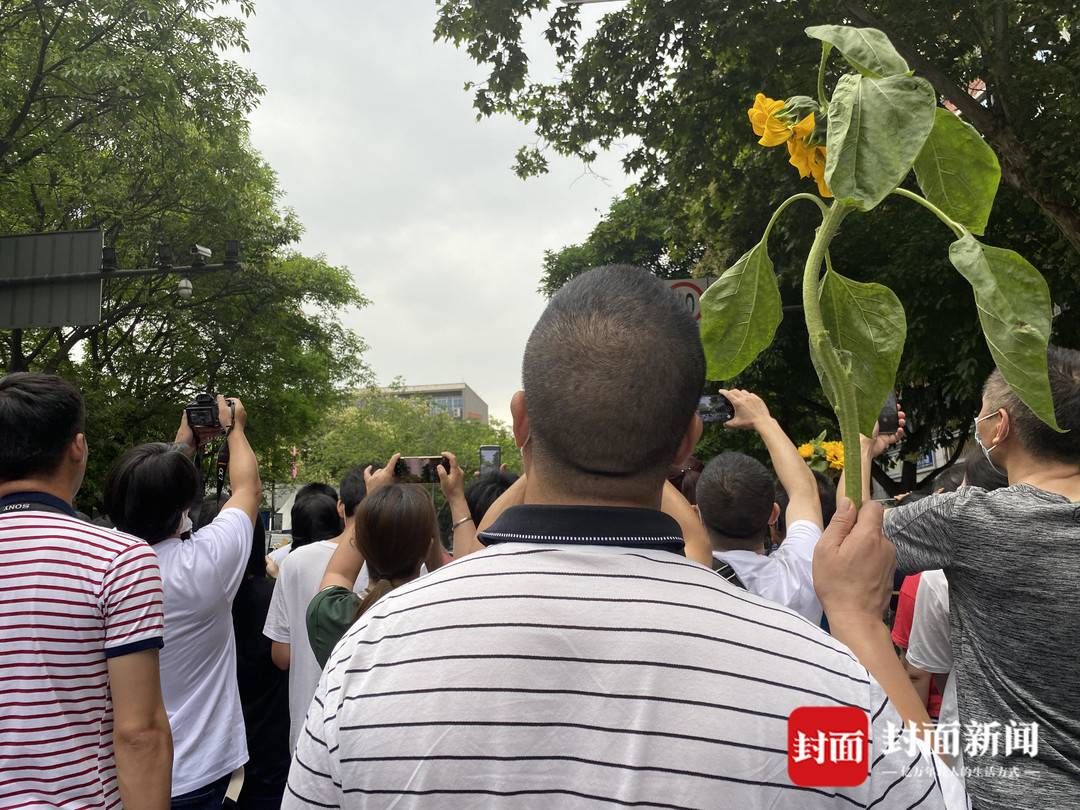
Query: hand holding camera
[[209, 417]]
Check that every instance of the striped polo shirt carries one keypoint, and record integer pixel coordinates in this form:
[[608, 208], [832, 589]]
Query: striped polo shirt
[[582, 661], [72, 595]]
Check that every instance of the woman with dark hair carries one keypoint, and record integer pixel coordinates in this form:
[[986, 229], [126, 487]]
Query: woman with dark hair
[[395, 527], [316, 526], [314, 518], [149, 493]]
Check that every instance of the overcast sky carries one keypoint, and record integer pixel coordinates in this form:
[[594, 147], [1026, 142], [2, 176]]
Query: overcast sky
[[377, 147]]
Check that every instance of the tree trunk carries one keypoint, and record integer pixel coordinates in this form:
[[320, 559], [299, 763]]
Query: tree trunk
[[16, 357]]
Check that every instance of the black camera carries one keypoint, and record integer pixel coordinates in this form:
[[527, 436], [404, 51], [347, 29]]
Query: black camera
[[202, 414]]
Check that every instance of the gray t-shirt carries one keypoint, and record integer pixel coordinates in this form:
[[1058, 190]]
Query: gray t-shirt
[[1012, 557]]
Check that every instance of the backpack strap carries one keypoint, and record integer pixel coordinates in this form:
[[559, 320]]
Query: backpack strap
[[727, 572]]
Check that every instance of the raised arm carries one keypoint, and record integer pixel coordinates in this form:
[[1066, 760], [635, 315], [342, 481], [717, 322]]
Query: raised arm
[[853, 573], [346, 561], [243, 466], [795, 477], [695, 536], [453, 488], [514, 496], [142, 740], [871, 448]]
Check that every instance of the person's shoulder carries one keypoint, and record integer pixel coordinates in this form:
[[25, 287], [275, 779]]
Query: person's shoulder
[[228, 521], [94, 539], [311, 555], [803, 529]]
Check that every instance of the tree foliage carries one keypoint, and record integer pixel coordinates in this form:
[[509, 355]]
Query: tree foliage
[[125, 115], [674, 80], [379, 423], [667, 75]]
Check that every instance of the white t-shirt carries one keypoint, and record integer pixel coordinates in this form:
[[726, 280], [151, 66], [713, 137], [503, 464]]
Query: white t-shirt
[[786, 576], [278, 555], [929, 647], [286, 622], [198, 663]]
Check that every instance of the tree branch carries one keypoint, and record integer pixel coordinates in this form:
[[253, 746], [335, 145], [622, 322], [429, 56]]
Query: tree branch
[[1013, 155]]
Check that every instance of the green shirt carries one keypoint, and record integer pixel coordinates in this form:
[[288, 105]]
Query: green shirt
[[329, 615]]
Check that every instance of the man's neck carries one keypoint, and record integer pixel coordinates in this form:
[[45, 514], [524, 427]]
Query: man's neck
[[47, 485], [1050, 476], [347, 533], [538, 492], [722, 544]]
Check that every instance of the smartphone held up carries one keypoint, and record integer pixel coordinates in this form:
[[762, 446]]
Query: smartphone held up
[[420, 469]]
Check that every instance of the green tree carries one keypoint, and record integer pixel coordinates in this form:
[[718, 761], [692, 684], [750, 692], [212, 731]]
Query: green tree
[[125, 115], [377, 424], [675, 80], [666, 76]]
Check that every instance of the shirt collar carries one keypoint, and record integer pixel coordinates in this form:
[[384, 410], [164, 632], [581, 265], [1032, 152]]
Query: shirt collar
[[18, 501], [586, 526]]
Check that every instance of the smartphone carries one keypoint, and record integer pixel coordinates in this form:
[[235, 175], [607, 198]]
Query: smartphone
[[490, 458], [715, 408], [419, 469], [889, 419]]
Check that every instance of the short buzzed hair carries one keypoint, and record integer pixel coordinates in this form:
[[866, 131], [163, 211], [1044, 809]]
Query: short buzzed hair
[[352, 490], [735, 496], [613, 372], [40, 415], [1041, 440]]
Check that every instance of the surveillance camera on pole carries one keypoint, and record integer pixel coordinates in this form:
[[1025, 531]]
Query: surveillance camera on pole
[[56, 279], [200, 255]]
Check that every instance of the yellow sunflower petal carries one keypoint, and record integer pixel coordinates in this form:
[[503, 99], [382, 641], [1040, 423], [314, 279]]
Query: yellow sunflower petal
[[817, 170], [771, 130], [801, 156], [804, 128]]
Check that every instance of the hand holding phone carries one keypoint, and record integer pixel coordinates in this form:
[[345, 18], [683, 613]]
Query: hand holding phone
[[715, 408], [490, 458]]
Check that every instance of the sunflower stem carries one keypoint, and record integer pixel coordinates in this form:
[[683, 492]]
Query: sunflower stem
[[834, 378], [783, 206], [955, 226], [825, 48]]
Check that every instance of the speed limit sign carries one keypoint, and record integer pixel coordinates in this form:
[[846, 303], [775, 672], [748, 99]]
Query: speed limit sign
[[689, 292]]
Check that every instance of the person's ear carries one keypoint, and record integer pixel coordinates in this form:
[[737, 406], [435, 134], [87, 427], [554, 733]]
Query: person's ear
[[1002, 432], [689, 440], [78, 450], [341, 509], [520, 413], [775, 514]]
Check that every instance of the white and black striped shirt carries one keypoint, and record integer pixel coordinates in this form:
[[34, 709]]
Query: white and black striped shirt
[[602, 673]]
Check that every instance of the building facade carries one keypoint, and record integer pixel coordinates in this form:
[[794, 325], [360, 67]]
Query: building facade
[[454, 399]]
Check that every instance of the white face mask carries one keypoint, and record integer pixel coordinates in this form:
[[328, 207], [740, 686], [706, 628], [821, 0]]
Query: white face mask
[[978, 440], [185, 524]]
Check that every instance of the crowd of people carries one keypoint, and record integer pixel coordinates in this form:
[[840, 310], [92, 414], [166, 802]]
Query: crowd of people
[[620, 626]]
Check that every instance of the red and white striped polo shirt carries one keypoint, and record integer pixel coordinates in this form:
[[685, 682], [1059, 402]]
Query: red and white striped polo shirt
[[71, 596]]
